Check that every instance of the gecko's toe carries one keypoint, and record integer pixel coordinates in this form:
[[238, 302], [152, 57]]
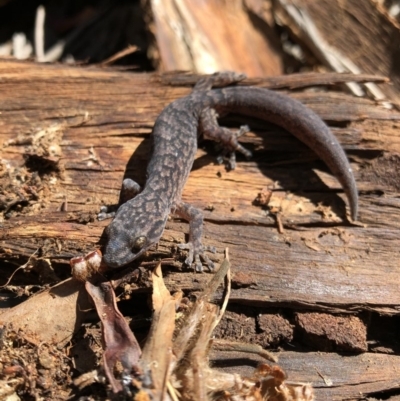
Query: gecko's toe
[[208, 262], [188, 247], [197, 264], [105, 213], [239, 148], [198, 258]]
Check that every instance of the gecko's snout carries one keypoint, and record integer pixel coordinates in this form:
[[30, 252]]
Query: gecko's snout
[[117, 251], [121, 248], [116, 256]]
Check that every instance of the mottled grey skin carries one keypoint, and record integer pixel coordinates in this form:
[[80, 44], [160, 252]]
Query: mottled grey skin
[[139, 222]]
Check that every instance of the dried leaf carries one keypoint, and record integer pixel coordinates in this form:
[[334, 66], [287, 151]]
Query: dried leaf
[[120, 345], [157, 353], [51, 316]]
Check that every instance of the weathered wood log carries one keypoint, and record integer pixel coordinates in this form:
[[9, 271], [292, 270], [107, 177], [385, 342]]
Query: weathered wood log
[[334, 377], [70, 135]]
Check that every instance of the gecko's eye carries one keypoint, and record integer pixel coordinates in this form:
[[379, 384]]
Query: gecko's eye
[[138, 243]]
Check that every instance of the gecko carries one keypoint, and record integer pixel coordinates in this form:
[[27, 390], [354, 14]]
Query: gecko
[[140, 219]]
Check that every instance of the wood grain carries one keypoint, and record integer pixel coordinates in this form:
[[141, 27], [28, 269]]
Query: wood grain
[[334, 377], [71, 134], [99, 119]]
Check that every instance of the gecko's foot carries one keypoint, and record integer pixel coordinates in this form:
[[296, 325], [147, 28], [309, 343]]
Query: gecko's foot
[[106, 212], [197, 255], [227, 138], [129, 190], [231, 146]]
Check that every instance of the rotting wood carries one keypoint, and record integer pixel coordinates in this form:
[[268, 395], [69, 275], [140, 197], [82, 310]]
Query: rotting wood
[[101, 118], [198, 37], [71, 134], [333, 377], [358, 30]]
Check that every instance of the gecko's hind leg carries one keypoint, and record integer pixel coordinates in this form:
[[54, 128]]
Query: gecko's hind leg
[[194, 246], [218, 80], [129, 190], [228, 139]]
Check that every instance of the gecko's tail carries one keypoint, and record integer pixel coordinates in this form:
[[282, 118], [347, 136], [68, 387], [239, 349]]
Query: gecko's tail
[[301, 122]]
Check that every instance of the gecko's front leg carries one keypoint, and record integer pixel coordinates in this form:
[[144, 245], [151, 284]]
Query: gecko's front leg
[[129, 190], [194, 246]]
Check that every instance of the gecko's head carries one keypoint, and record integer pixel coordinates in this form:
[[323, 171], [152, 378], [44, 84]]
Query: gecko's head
[[129, 235]]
